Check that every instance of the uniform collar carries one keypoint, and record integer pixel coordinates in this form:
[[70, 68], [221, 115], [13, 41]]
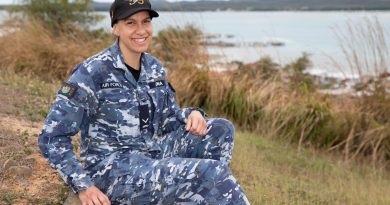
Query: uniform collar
[[119, 62]]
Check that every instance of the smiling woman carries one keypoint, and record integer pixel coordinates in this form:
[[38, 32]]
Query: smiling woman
[[135, 35], [133, 28], [137, 145]]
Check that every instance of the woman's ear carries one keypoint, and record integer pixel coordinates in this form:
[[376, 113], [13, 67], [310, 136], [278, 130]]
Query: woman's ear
[[114, 30]]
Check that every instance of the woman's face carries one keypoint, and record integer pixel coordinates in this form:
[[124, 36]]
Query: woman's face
[[134, 32]]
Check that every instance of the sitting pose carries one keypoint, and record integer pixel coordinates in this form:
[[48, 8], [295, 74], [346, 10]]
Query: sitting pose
[[137, 146]]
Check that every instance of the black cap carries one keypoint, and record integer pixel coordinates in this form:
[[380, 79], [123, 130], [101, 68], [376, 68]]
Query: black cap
[[121, 9]]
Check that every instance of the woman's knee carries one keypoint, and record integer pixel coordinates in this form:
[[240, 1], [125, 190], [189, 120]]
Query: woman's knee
[[212, 170], [223, 126]]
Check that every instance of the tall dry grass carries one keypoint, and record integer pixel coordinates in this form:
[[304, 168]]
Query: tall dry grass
[[186, 61], [32, 48], [366, 48], [273, 100], [280, 101]]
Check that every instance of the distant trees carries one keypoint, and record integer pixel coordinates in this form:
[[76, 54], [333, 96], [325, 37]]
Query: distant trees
[[57, 14]]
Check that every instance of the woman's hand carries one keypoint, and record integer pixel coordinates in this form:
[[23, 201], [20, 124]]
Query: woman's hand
[[196, 124], [93, 196]]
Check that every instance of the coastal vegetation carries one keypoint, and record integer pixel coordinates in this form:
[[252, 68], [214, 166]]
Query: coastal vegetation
[[59, 15], [295, 144], [283, 101]]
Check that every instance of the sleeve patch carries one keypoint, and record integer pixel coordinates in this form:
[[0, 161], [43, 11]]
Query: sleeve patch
[[67, 90]]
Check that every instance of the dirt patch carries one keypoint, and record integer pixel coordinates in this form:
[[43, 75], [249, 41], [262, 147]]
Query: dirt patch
[[18, 142]]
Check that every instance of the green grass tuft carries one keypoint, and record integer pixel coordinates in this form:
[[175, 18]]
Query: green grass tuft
[[274, 173]]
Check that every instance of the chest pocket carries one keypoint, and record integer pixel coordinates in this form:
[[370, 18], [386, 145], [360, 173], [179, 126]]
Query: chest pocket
[[117, 106]]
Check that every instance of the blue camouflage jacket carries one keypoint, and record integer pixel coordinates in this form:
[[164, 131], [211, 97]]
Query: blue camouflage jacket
[[113, 112]]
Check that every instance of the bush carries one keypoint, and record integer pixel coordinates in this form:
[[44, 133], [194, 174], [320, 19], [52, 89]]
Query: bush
[[60, 15], [39, 51], [297, 77], [186, 61]]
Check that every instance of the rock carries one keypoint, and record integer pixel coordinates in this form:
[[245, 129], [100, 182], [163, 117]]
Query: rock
[[72, 199], [9, 163], [20, 171]]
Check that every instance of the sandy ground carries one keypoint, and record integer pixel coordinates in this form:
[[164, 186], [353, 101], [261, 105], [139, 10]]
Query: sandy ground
[[18, 142]]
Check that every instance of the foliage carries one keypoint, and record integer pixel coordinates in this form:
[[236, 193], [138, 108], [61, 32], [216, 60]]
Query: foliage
[[186, 61], [297, 76], [261, 70], [366, 50], [57, 14], [37, 50], [179, 44], [273, 100]]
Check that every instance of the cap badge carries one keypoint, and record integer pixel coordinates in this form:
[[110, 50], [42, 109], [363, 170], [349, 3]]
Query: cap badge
[[132, 2]]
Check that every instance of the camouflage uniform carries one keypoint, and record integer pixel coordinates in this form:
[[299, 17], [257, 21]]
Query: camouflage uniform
[[134, 145]]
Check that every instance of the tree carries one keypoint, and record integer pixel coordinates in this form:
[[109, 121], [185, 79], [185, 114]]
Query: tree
[[297, 75], [57, 14]]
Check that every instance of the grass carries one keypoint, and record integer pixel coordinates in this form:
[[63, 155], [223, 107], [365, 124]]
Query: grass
[[281, 101], [15, 197], [270, 171], [26, 95], [35, 50], [276, 173], [275, 102], [278, 101]]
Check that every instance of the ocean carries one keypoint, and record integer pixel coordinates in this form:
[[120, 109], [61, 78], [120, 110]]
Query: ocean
[[282, 35]]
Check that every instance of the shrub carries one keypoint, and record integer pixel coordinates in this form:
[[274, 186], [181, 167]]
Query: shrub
[[366, 51], [60, 15], [186, 61], [297, 77], [37, 50]]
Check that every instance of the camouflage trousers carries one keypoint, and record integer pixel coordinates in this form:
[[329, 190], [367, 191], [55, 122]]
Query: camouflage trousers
[[190, 170]]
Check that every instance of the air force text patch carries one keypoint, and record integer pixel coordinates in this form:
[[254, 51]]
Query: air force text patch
[[68, 90], [156, 84], [111, 85]]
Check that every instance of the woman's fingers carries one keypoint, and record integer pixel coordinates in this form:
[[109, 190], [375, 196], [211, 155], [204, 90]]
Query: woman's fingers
[[93, 196], [196, 124], [96, 201], [189, 123], [104, 199]]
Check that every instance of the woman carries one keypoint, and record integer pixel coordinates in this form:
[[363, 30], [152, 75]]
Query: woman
[[137, 146]]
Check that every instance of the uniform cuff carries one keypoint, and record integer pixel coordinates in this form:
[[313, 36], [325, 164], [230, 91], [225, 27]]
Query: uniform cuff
[[187, 112], [81, 183], [204, 114]]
